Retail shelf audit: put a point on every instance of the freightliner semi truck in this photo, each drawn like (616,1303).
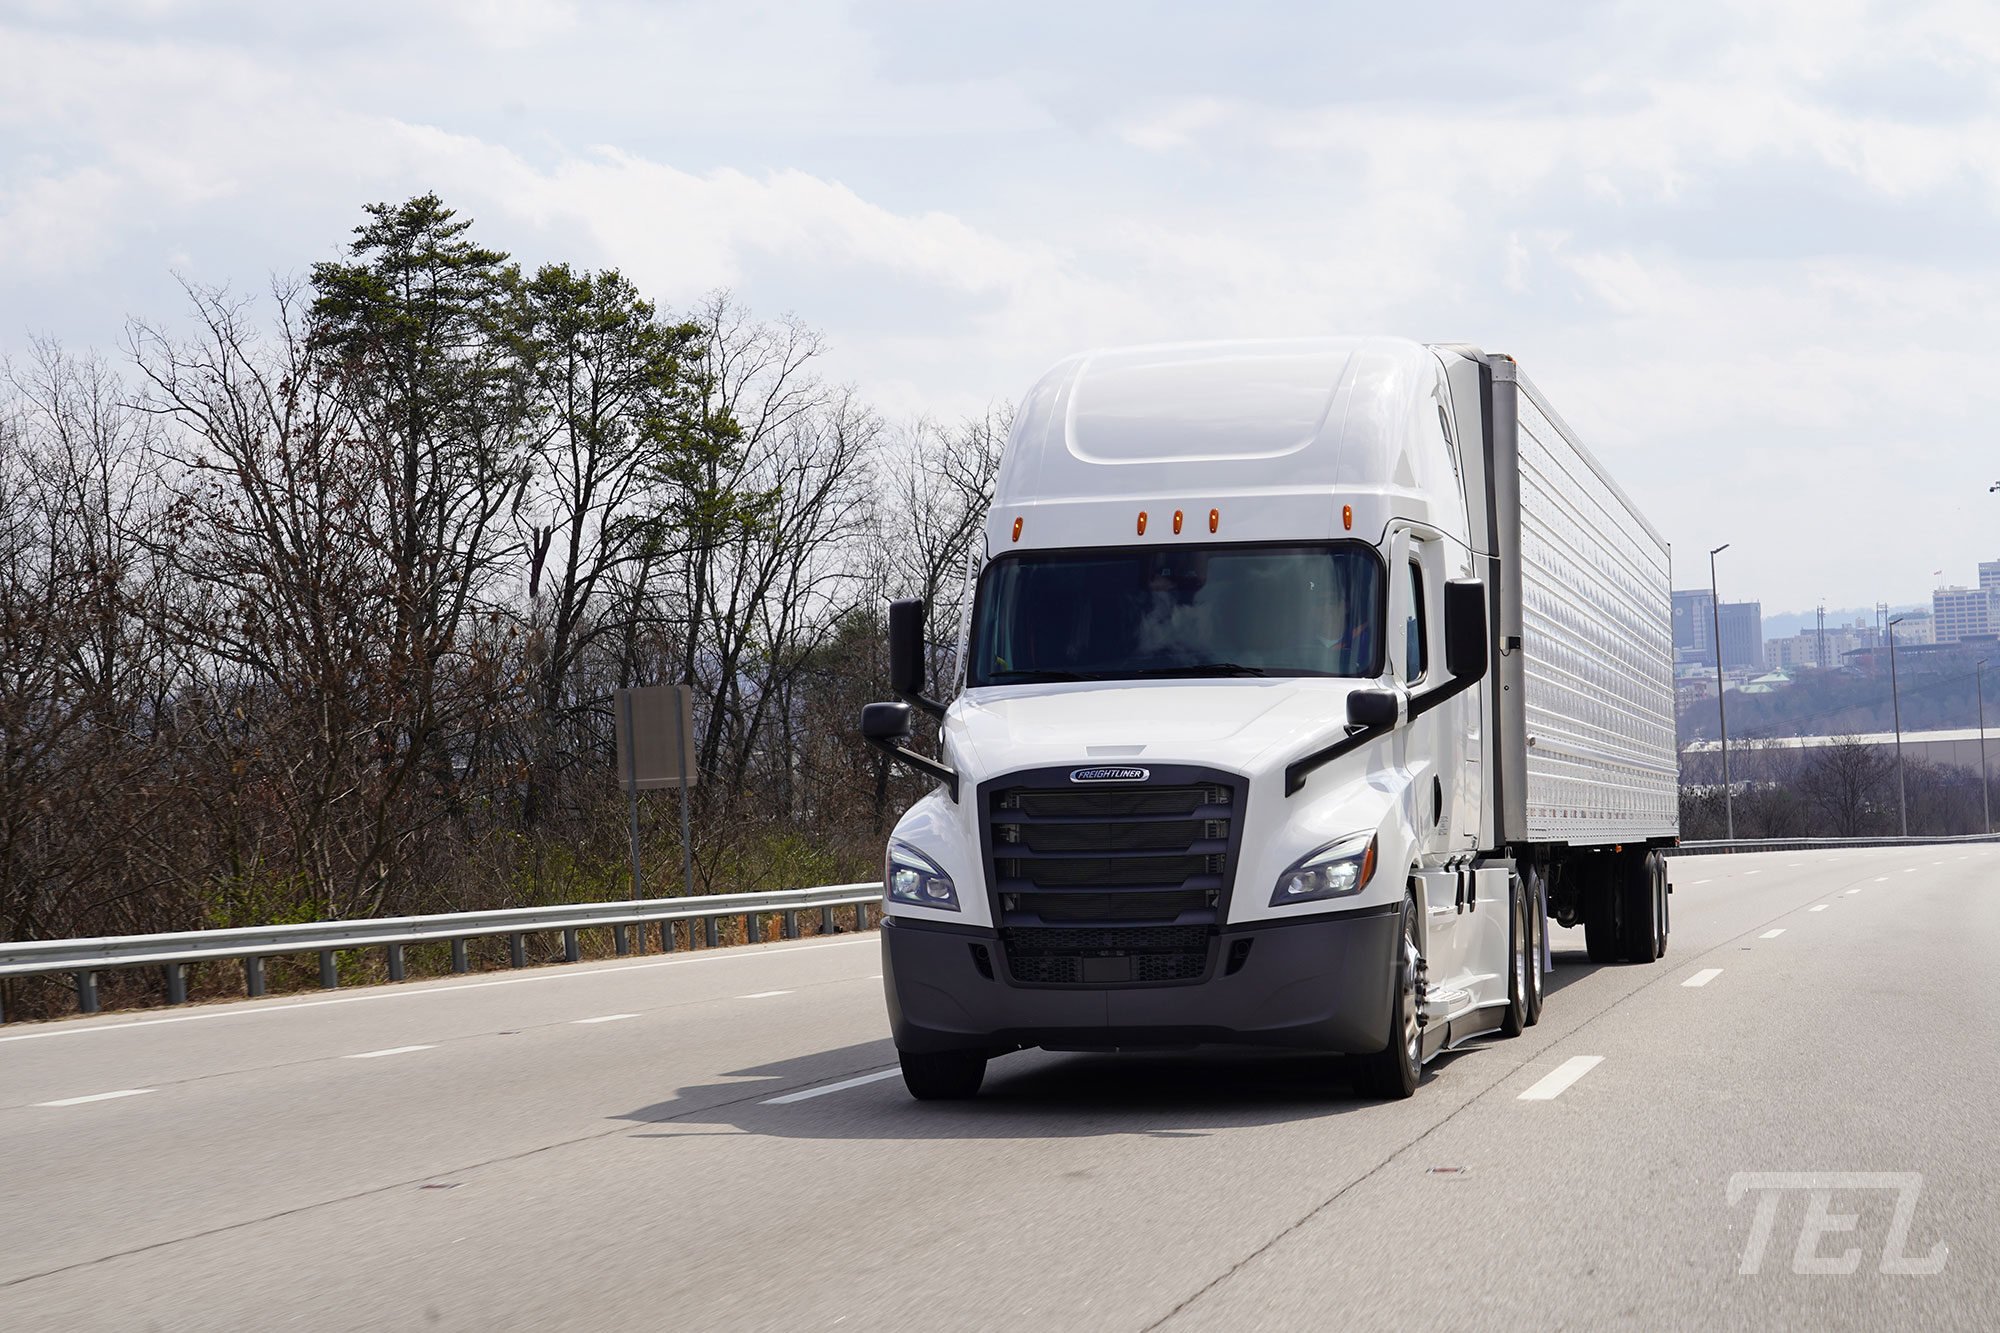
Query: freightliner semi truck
(1301,684)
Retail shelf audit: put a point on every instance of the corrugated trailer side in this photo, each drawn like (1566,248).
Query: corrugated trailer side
(1587,698)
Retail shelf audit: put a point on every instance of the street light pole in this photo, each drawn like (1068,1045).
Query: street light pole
(1721,707)
(1985,795)
(1896,706)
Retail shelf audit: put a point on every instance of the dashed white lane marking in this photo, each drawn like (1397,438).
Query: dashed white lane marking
(1703,977)
(1817,907)
(1793,865)
(1772,934)
(97,1097)
(603,1018)
(1879,879)
(876,977)
(1852,892)
(841,1086)
(1910,870)
(1704,881)
(387,1050)
(763,994)
(1754,872)
(1552,1085)
(411,991)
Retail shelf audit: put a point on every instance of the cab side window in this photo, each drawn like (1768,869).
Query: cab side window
(1416,652)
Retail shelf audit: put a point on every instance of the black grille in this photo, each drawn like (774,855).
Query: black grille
(1099,803)
(1056,956)
(1110,906)
(1093,872)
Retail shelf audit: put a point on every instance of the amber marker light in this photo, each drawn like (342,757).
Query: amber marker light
(1347,517)
(1214,519)
(1177,523)
(1017,528)
(1142,522)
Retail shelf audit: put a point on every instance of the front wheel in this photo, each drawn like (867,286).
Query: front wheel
(1392,1072)
(942,1076)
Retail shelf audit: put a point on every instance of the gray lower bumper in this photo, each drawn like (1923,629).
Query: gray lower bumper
(1318,984)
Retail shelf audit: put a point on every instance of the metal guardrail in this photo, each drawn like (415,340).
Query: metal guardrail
(1726,846)
(253,944)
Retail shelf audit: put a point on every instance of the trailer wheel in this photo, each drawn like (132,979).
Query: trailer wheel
(1392,1072)
(1663,902)
(1538,933)
(942,1076)
(1515,1021)
(1639,927)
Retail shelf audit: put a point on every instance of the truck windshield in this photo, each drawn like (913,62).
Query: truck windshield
(1186,611)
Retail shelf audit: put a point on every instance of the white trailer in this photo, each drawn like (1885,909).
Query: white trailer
(1302,682)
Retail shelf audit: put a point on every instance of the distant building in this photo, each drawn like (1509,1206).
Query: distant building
(1693,624)
(1800,650)
(1743,635)
(1989,575)
(1958,612)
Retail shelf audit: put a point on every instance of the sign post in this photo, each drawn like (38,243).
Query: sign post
(655,749)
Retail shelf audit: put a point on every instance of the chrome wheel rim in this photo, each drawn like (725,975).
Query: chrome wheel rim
(1412,1034)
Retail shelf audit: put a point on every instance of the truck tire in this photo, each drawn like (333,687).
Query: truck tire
(1638,895)
(1391,1073)
(942,1076)
(1661,896)
(1538,932)
(1515,1021)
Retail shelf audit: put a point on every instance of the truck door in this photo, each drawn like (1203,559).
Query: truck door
(1416,608)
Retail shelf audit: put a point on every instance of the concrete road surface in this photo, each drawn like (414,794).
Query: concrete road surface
(1791,1121)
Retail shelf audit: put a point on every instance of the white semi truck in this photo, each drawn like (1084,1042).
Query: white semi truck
(1302,683)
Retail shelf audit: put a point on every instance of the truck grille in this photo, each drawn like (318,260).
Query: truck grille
(1098,885)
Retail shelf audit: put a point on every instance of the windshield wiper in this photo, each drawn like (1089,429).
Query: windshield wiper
(1203,669)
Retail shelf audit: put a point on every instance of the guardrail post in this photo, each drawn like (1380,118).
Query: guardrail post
(571,953)
(753,928)
(459,962)
(667,936)
(620,941)
(86,992)
(826,920)
(792,924)
(517,949)
(329,971)
(861,916)
(395,962)
(711,932)
(177,987)
(253,976)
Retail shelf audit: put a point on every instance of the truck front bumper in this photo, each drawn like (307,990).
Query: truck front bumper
(1321,983)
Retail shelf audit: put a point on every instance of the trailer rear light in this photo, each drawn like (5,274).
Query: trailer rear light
(1177,523)
(1142,522)
(1214,519)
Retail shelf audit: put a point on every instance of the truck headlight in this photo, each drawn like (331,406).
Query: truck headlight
(908,876)
(1334,871)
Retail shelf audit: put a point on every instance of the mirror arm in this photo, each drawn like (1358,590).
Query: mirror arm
(1429,699)
(929,767)
(924,703)
(1299,769)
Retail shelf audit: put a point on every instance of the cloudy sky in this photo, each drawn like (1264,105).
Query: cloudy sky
(1749,250)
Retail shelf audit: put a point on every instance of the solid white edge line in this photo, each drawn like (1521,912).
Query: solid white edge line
(97,1097)
(240,1009)
(1703,977)
(388,1050)
(763,994)
(1552,1085)
(841,1086)
(603,1018)
(1772,934)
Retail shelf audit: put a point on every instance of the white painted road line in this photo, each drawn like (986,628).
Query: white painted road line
(603,1018)
(1793,865)
(1817,907)
(1754,872)
(402,992)
(391,1050)
(1704,881)
(98,1097)
(841,1086)
(763,994)
(1703,977)
(1772,934)
(1879,879)
(1852,892)
(1569,1071)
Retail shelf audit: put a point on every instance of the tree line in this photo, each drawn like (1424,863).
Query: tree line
(1842,789)
(314,605)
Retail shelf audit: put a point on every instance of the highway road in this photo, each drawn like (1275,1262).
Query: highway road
(717,1141)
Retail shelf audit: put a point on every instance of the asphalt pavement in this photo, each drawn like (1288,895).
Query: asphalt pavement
(1789,1121)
